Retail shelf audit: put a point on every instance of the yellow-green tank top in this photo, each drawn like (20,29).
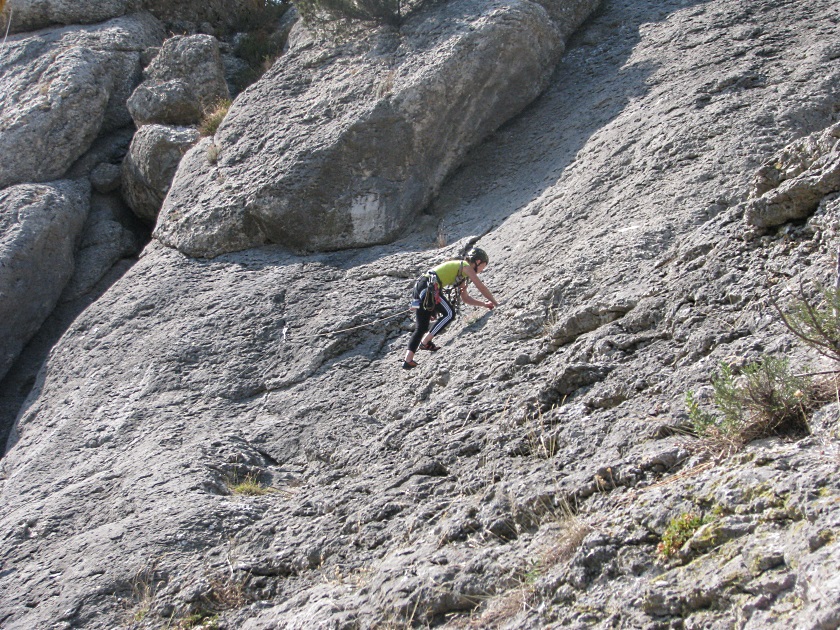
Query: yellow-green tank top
(447,272)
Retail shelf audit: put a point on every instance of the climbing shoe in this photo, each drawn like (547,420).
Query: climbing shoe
(407,365)
(431,347)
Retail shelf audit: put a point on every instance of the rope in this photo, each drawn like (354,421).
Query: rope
(344,330)
(9,25)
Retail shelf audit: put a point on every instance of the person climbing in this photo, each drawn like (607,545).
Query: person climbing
(429,299)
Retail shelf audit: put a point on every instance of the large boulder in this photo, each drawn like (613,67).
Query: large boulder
(185,79)
(29,15)
(61,88)
(39,228)
(316,157)
(150,165)
(164,102)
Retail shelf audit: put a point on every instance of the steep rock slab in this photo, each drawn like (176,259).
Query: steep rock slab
(158,385)
(318,157)
(60,88)
(150,164)
(39,226)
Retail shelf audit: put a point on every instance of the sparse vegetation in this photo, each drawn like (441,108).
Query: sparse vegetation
(570,532)
(378,11)
(766,399)
(817,326)
(249,486)
(198,621)
(542,438)
(262,41)
(573,529)
(679,530)
(213,117)
(144,587)
(226,593)
(262,13)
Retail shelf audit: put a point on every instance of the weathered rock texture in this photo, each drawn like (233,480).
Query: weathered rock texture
(112,233)
(185,79)
(342,146)
(39,228)
(30,15)
(524,475)
(150,165)
(62,88)
(792,184)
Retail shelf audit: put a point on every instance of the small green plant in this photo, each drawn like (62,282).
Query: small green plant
(677,533)
(261,40)
(766,399)
(249,486)
(213,118)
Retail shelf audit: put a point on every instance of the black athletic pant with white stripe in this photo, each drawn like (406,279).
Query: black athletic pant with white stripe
(445,315)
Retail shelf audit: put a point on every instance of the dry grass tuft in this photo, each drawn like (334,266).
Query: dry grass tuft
(213,117)
(524,597)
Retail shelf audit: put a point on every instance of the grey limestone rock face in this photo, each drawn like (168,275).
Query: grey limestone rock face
(791,184)
(30,15)
(39,229)
(164,102)
(185,79)
(105,177)
(111,233)
(352,165)
(151,162)
(61,88)
(525,474)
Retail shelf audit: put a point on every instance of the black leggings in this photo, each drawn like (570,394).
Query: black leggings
(445,316)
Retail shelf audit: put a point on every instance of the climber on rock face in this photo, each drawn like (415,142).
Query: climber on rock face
(429,299)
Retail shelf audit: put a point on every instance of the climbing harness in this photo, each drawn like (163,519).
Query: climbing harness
(428,289)
(426,294)
(453,292)
(342,330)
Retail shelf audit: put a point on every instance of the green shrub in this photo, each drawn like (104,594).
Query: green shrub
(262,14)
(258,49)
(261,42)
(767,399)
(677,533)
(817,326)
(379,11)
